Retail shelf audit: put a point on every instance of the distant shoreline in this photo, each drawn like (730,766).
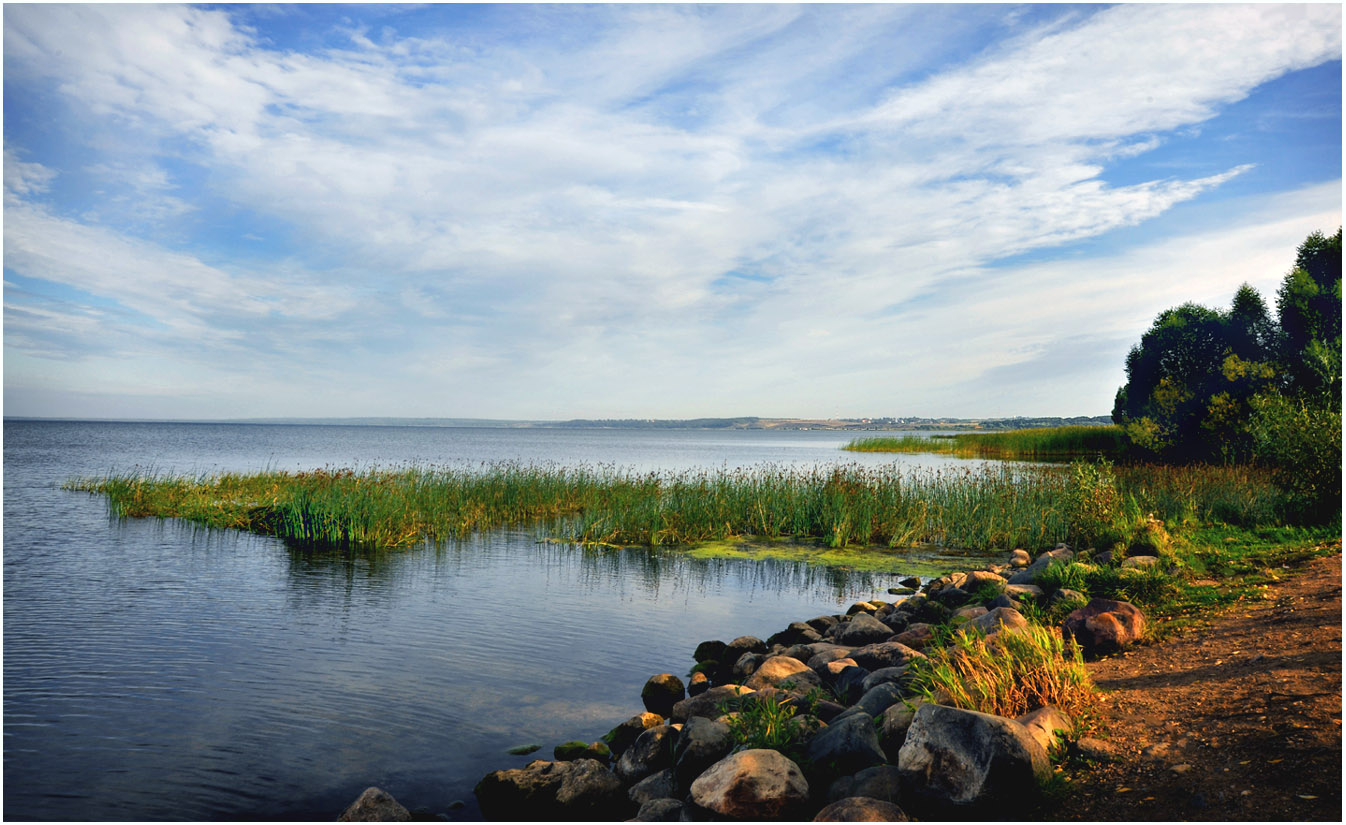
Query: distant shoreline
(742,423)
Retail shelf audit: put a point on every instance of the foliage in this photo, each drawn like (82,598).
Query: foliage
(1040,443)
(1308,307)
(1095,508)
(1009,674)
(766,722)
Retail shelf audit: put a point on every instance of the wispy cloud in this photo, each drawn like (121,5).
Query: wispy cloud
(556,205)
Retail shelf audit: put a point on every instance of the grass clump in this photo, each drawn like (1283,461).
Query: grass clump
(1008,674)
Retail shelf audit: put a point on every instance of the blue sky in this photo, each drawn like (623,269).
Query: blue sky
(641,210)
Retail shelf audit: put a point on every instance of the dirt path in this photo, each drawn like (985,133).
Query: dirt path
(1237,721)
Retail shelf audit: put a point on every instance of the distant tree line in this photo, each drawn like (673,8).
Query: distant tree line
(1238,385)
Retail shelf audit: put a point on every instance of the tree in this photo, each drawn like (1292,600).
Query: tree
(1308,306)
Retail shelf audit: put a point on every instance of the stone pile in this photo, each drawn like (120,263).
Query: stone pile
(866,746)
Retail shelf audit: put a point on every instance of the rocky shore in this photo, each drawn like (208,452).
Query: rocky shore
(821,721)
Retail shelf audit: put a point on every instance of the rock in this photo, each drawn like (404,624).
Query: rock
(659,785)
(709,703)
(879,698)
(711,651)
(861,607)
(861,809)
(959,759)
(848,745)
(1105,558)
(879,782)
(796,633)
(822,623)
(896,675)
(1019,558)
(1029,574)
(849,684)
(621,737)
(375,805)
(896,621)
(523,750)
(910,581)
(1004,601)
(701,743)
(894,723)
(1139,562)
(830,654)
(964,613)
(582,789)
(1065,594)
(661,693)
(1023,591)
(1002,618)
(827,711)
(953,597)
(660,810)
(753,784)
(650,753)
(779,670)
(916,636)
(570,751)
(747,665)
(1046,724)
(1104,625)
(980,579)
(885,654)
(863,629)
(1097,750)
(698,684)
(833,669)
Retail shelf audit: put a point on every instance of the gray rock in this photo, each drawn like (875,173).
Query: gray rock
(879,782)
(822,623)
(1136,562)
(894,723)
(582,789)
(753,784)
(978,579)
(375,805)
(916,636)
(896,675)
(661,693)
(1004,601)
(960,759)
(849,684)
(861,809)
(1023,591)
(650,753)
(701,743)
(846,746)
(829,654)
(621,737)
(1046,725)
(879,698)
(863,629)
(659,785)
(747,665)
(796,633)
(1065,594)
(780,670)
(1002,618)
(660,810)
(885,654)
(953,597)
(708,704)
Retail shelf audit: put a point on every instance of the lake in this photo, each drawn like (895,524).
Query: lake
(154,670)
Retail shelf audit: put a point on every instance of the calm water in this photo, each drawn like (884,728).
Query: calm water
(153,670)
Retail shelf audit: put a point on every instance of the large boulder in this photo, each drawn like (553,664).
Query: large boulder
(899,676)
(879,698)
(885,654)
(1105,625)
(710,703)
(955,759)
(661,693)
(710,651)
(650,753)
(983,579)
(830,653)
(849,684)
(797,633)
(659,785)
(861,809)
(848,745)
(582,790)
(1002,618)
(780,670)
(753,784)
(863,629)
(894,723)
(916,636)
(701,743)
(375,805)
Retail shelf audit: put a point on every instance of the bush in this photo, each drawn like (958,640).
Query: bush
(1302,445)
(1094,508)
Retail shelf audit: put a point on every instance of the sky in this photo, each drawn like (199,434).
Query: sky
(641,211)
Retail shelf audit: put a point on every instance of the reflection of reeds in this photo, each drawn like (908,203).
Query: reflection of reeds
(1039,444)
(992,506)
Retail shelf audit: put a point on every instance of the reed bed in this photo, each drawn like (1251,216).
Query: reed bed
(1041,444)
(989,506)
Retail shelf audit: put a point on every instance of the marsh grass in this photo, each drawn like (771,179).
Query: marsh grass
(1041,444)
(1008,674)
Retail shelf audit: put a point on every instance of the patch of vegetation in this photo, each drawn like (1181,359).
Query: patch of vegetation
(768,722)
(1038,444)
(1008,674)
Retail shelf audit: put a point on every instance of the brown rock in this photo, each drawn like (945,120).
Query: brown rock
(753,784)
(661,693)
(375,805)
(1104,625)
(861,809)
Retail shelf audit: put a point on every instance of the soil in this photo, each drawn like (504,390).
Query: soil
(1237,720)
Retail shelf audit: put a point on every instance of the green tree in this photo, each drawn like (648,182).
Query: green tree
(1308,306)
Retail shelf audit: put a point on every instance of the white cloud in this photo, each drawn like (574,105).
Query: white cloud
(643,197)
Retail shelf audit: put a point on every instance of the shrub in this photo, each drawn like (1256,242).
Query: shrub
(1302,444)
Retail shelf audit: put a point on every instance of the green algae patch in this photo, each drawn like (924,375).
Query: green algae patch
(922,561)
